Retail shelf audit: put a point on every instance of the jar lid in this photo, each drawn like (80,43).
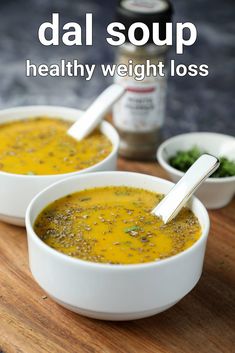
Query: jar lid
(147,12)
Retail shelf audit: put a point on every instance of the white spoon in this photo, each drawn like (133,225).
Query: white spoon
(95,113)
(178,196)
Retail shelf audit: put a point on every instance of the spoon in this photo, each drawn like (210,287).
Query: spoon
(172,203)
(95,113)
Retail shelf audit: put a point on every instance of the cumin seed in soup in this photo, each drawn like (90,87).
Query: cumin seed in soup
(41,146)
(114,225)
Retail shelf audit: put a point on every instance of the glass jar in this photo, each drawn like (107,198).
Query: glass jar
(139,115)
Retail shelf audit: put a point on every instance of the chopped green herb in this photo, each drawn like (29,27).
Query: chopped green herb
(131,229)
(226,169)
(183,160)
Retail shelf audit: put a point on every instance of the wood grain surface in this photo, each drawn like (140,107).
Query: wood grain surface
(203,322)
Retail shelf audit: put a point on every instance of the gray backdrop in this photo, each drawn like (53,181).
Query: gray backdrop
(194,104)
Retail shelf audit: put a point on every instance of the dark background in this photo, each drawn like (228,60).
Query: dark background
(194,104)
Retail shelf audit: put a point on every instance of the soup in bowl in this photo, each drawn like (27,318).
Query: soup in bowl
(95,248)
(36,151)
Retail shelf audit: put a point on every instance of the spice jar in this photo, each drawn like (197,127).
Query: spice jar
(139,114)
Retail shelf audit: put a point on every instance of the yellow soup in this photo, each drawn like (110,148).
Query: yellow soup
(114,225)
(41,146)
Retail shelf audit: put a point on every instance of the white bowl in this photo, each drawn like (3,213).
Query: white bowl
(113,292)
(214,192)
(16,190)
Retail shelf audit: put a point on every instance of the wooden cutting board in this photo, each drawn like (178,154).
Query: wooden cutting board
(204,321)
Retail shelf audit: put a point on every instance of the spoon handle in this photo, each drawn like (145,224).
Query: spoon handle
(95,113)
(172,203)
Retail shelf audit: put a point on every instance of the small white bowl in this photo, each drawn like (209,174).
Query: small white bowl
(113,292)
(214,192)
(17,190)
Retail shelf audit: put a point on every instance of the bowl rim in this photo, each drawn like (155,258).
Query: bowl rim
(165,165)
(104,124)
(76,261)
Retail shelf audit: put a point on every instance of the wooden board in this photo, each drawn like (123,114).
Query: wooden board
(203,321)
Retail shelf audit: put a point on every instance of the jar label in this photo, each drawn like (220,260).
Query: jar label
(142,107)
